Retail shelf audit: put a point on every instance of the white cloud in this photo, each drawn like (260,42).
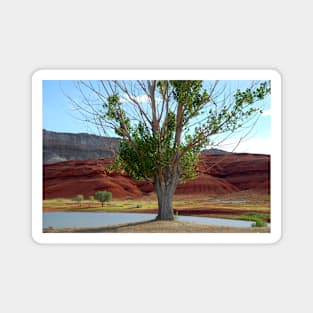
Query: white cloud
(259,145)
(140,99)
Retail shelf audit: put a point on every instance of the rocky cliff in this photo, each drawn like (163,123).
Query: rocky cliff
(59,147)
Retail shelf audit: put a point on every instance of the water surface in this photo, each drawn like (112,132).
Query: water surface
(92,219)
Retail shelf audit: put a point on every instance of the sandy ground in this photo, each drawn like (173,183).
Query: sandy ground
(161,227)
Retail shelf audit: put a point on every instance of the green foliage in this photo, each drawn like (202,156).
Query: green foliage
(259,218)
(79,198)
(103,196)
(151,148)
(259,223)
(113,111)
(91,198)
(153,153)
(152,157)
(231,118)
(188,165)
(191,94)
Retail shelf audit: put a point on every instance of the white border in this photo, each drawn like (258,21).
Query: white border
(156,238)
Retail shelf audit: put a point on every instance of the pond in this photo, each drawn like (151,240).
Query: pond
(91,219)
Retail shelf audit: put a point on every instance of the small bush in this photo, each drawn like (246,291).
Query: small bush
(259,219)
(103,196)
(263,216)
(79,198)
(91,198)
(259,223)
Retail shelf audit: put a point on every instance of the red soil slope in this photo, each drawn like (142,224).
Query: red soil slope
(218,174)
(243,170)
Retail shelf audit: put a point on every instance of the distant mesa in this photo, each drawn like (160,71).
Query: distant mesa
(215,151)
(60,147)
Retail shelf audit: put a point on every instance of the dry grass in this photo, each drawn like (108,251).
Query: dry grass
(233,202)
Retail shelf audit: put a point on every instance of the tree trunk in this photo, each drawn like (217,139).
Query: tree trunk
(165,194)
(165,206)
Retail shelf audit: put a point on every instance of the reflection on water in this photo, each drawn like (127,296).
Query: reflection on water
(216,221)
(74,219)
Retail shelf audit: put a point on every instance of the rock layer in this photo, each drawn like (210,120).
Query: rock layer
(217,174)
(59,147)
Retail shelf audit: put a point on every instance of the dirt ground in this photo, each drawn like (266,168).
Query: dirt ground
(161,227)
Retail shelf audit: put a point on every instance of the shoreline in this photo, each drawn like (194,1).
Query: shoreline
(155,226)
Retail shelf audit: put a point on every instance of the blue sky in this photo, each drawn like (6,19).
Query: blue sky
(60,116)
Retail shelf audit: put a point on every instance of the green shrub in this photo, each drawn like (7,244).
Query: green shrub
(79,198)
(258,218)
(259,223)
(263,216)
(103,196)
(91,198)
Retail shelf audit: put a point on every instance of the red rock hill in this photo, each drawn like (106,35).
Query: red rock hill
(218,174)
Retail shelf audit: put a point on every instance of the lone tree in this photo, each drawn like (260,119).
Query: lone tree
(163,125)
(103,196)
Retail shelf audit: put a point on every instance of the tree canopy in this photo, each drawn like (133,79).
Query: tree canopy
(164,124)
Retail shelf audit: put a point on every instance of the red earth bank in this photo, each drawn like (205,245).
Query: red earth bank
(217,174)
